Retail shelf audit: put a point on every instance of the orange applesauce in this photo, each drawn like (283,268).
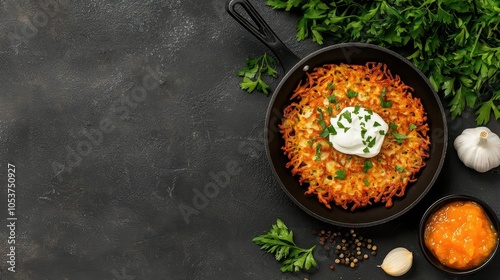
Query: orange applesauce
(460,235)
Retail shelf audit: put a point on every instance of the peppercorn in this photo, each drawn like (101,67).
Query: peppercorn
(348,246)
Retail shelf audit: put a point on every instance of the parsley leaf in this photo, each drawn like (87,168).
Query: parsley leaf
(321,119)
(383,102)
(399,137)
(351,93)
(318,152)
(253,72)
(356,109)
(367,165)
(484,111)
(324,133)
(279,241)
(332,99)
(340,174)
(399,169)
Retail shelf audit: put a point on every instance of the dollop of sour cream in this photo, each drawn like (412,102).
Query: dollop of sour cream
(358,131)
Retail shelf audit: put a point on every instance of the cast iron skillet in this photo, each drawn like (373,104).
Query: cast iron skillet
(352,53)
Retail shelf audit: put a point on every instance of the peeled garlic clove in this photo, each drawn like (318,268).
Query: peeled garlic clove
(397,262)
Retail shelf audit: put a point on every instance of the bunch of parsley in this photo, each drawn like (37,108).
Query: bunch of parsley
(456,43)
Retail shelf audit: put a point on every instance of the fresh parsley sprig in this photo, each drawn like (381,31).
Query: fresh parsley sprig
(279,241)
(253,73)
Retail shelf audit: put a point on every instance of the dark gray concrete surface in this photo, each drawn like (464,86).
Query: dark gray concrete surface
(118,114)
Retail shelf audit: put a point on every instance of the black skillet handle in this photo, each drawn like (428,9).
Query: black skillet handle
(262,31)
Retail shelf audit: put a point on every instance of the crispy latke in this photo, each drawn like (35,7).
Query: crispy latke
(351,181)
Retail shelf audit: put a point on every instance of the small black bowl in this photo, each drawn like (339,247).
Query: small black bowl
(436,206)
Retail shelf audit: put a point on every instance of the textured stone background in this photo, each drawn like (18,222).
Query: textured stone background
(117,114)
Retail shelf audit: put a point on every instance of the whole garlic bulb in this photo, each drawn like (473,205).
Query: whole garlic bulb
(478,148)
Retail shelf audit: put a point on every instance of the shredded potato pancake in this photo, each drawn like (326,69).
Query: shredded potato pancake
(352,181)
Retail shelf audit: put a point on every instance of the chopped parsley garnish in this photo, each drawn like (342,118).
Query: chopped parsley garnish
(383,102)
(399,137)
(330,86)
(413,126)
(363,132)
(340,125)
(375,124)
(321,121)
(367,165)
(332,99)
(340,174)
(318,152)
(351,93)
(381,132)
(324,133)
(366,182)
(366,150)
(347,116)
(330,110)
(393,126)
(356,109)
(327,131)
(332,130)
(371,143)
(399,169)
